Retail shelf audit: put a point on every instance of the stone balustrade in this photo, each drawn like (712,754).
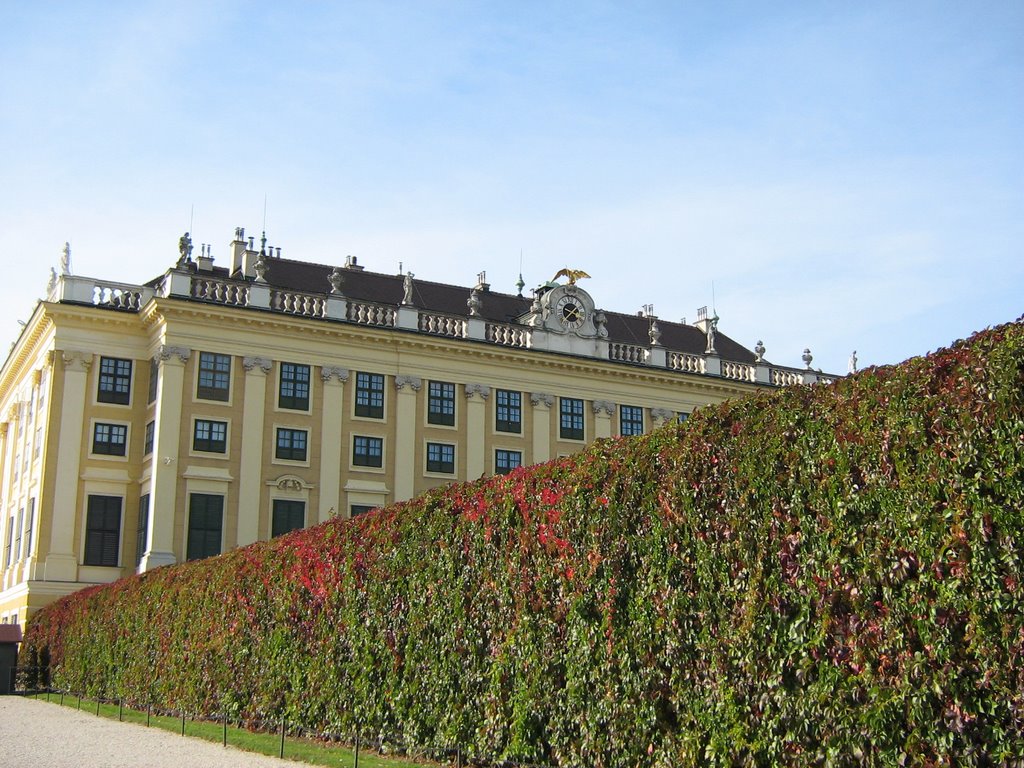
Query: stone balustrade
(228,292)
(100,293)
(738,371)
(508,335)
(365,313)
(302,304)
(681,361)
(442,325)
(627,353)
(242,293)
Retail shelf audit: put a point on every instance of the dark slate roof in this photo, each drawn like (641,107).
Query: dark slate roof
(362,285)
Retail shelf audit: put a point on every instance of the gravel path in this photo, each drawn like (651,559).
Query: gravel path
(35,734)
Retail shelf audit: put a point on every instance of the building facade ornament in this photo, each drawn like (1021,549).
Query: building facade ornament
(542,399)
(654,332)
(327,372)
(477,389)
(712,329)
(603,406)
(413,382)
(759,351)
(853,362)
(474,303)
(807,357)
(261,268)
(661,415)
(251,364)
(601,323)
(184,249)
(336,279)
(407,289)
(167,352)
(75,360)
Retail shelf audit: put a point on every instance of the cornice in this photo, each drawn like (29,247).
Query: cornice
(26,346)
(169,308)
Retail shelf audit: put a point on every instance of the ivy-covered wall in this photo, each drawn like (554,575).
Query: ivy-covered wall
(812,575)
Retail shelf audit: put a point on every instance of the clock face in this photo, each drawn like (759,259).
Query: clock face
(570,312)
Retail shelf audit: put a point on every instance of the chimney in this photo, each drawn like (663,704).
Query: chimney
(205,261)
(237,251)
(352,263)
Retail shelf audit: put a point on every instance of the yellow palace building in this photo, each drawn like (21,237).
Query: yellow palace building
(144,425)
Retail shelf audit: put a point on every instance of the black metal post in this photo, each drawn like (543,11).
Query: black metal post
(120,710)
(182,722)
(149,713)
(458,758)
(79,701)
(282,737)
(225,728)
(356,763)
(97,706)
(62,698)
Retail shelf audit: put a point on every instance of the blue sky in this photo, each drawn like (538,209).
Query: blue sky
(845,175)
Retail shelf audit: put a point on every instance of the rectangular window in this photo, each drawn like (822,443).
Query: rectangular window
(506,461)
(508,414)
(142,531)
(631,420)
(17,534)
(291,444)
(441,403)
(370,395)
(355,510)
(103,531)
(293,391)
(214,376)
(571,418)
(441,458)
(154,373)
(367,451)
(109,439)
(150,437)
(210,436)
(288,516)
(115,381)
(28,528)
(205,522)
(9,542)
(682,416)
(44,380)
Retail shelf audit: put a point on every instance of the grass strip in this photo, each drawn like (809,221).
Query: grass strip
(297,749)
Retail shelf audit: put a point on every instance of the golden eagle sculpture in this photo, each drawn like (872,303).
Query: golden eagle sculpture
(572,274)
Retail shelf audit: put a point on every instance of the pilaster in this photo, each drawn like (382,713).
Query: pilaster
(61,559)
(604,410)
(541,402)
(660,416)
(407,389)
(164,496)
(251,458)
(476,419)
(334,379)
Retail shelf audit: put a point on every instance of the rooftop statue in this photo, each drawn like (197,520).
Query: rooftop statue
(184,249)
(572,274)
